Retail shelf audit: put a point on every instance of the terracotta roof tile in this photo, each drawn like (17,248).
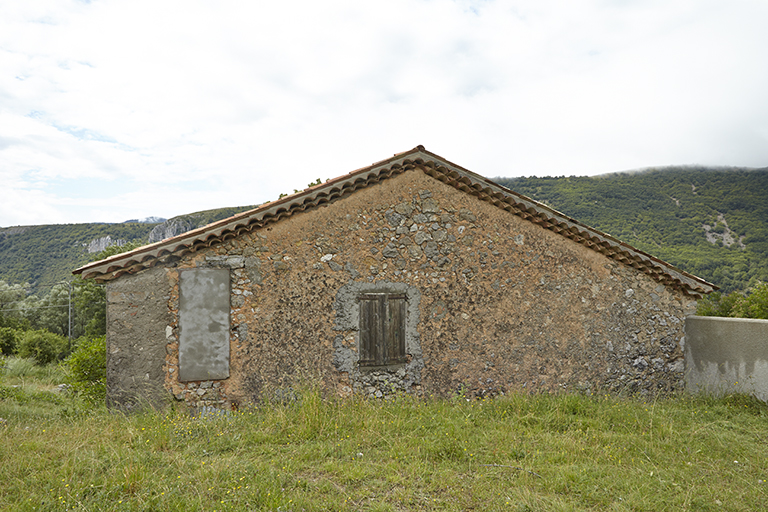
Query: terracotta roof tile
(417,158)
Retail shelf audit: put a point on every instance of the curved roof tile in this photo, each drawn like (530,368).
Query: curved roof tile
(417,158)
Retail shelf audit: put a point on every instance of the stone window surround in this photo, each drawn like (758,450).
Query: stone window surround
(347,323)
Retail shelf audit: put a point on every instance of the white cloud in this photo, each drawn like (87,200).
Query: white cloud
(132,109)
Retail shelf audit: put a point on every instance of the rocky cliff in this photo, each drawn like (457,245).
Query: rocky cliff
(171,228)
(99,244)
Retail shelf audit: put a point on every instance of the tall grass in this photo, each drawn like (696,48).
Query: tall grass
(519,452)
(16,370)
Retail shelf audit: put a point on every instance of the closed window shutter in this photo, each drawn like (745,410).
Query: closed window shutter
(382,329)
(395,329)
(370,328)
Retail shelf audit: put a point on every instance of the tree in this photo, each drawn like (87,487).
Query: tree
(53,310)
(717,304)
(11,304)
(90,308)
(753,304)
(9,340)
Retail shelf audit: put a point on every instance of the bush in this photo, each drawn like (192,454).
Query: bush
(9,340)
(754,305)
(87,368)
(717,304)
(42,346)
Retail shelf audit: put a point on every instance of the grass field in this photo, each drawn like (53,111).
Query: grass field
(515,453)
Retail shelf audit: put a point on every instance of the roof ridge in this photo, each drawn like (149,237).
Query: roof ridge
(432,165)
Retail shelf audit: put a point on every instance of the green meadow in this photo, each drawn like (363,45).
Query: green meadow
(566,452)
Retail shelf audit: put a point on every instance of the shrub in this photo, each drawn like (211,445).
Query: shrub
(754,305)
(717,304)
(87,368)
(9,340)
(42,346)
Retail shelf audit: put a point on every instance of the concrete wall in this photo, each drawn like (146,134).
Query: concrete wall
(137,326)
(495,304)
(726,355)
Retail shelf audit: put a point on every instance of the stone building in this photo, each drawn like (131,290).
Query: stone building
(414,275)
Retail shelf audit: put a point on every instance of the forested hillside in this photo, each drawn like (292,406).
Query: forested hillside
(710,222)
(45,255)
(42,256)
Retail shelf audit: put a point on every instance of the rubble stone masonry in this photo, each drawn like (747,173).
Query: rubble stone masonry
(495,304)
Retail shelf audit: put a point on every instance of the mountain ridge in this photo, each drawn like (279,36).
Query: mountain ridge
(45,254)
(709,221)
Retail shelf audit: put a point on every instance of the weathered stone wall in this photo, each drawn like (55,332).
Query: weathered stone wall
(502,303)
(137,323)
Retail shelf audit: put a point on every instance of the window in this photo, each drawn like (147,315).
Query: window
(382,329)
(376,312)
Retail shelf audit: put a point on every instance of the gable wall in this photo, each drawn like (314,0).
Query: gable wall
(496,303)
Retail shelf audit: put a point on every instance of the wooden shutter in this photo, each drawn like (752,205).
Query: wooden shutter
(395,329)
(382,329)
(370,328)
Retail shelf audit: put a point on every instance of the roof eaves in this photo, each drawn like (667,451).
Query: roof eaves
(146,256)
(433,165)
(560,223)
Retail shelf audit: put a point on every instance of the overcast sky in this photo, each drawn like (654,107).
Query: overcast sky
(114,110)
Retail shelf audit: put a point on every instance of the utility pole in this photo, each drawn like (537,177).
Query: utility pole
(69,320)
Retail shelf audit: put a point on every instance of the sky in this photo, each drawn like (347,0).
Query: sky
(113,110)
